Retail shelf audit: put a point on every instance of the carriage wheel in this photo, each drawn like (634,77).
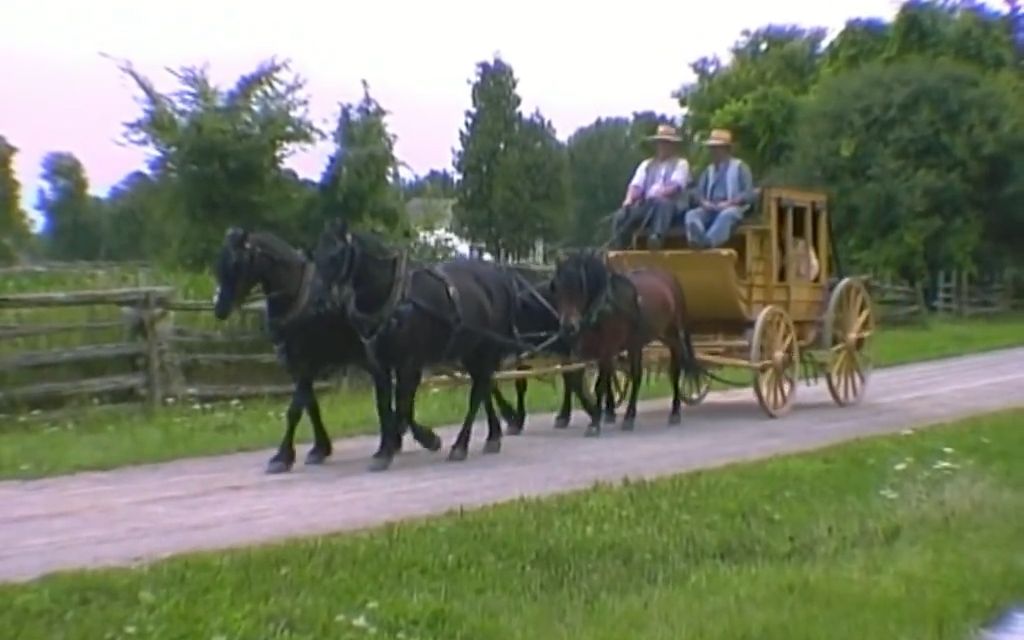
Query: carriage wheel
(694,387)
(849,324)
(775,354)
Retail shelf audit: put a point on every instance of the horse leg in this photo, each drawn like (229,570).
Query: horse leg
(609,397)
(569,383)
(508,414)
(322,448)
(593,410)
(285,456)
(391,422)
(493,444)
(425,436)
(636,373)
(520,404)
(478,392)
(674,369)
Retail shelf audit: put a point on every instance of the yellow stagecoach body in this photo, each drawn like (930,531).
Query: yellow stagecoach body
(764,300)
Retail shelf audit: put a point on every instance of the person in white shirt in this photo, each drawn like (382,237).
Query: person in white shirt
(655,193)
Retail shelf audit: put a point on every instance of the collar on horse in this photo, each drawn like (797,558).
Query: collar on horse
(299,301)
(376,320)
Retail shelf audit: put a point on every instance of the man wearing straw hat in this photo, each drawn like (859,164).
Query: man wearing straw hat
(726,191)
(655,192)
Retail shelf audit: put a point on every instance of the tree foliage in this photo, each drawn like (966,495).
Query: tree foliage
(361,178)
(73,229)
(513,171)
(14,229)
(221,150)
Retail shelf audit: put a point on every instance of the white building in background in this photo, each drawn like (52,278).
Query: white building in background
(432,217)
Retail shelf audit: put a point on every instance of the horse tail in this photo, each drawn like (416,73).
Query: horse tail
(688,360)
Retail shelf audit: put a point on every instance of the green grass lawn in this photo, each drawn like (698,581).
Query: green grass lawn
(919,535)
(29,449)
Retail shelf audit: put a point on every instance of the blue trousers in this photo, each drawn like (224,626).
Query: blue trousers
(710,229)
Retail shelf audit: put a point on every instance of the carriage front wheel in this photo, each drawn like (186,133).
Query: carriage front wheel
(849,324)
(694,387)
(775,357)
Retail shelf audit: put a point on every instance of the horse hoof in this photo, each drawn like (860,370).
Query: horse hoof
(628,424)
(278,466)
(609,418)
(433,442)
(316,456)
(561,423)
(492,446)
(380,462)
(592,431)
(458,454)
(675,419)
(514,430)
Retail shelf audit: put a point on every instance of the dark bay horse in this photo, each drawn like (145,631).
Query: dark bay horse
(310,341)
(410,318)
(607,313)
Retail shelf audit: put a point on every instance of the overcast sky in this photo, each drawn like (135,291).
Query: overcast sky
(573,61)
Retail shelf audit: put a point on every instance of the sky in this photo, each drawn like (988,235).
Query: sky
(575,61)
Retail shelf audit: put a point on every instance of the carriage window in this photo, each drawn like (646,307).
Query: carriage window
(797,226)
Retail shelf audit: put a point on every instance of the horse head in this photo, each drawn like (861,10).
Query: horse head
(580,278)
(234,271)
(336,258)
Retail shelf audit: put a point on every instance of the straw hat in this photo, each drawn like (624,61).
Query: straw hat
(719,138)
(665,133)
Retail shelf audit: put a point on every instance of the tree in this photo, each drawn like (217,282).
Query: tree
(359,181)
(756,93)
(923,158)
(436,184)
(132,217)
(72,230)
(14,229)
(531,195)
(490,129)
(220,152)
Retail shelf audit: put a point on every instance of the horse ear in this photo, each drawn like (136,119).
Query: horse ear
(237,237)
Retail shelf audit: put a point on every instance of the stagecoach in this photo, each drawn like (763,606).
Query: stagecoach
(769,302)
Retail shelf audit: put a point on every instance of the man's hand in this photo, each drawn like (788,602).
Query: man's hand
(707,204)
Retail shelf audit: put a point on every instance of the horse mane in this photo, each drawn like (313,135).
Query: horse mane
(274,244)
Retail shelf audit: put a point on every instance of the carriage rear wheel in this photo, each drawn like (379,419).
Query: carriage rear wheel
(775,356)
(849,324)
(694,387)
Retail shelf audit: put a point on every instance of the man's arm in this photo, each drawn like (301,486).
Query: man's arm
(702,190)
(677,181)
(636,185)
(746,195)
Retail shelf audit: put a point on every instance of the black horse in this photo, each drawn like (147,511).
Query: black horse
(311,341)
(412,317)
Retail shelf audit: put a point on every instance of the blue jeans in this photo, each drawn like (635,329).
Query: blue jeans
(709,229)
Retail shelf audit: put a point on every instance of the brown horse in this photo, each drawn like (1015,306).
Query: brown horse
(605,313)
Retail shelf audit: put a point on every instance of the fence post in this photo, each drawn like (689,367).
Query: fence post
(149,322)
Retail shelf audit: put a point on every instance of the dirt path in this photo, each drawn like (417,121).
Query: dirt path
(142,513)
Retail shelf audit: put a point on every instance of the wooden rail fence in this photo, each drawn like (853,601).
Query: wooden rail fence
(156,347)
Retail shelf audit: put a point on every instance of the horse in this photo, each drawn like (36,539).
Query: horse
(606,313)
(538,324)
(311,341)
(460,311)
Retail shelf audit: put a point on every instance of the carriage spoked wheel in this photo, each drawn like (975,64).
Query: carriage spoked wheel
(849,325)
(775,356)
(694,387)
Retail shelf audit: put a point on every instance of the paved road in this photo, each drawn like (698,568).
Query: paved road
(143,513)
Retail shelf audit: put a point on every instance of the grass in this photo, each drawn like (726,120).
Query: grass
(101,441)
(910,536)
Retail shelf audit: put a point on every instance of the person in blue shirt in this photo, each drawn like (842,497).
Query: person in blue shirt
(725,191)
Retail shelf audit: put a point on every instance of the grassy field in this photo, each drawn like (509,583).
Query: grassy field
(101,441)
(919,535)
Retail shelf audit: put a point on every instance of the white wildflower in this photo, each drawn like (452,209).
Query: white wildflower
(888,493)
